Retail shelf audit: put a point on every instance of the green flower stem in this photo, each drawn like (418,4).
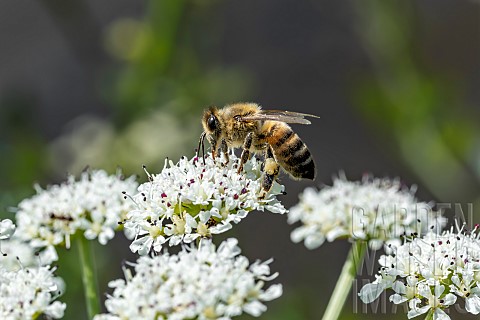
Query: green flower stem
(90,284)
(430,315)
(344,282)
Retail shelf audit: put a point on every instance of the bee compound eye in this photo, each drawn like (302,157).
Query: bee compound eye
(211,122)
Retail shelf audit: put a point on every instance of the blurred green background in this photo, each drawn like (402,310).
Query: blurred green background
(123,83)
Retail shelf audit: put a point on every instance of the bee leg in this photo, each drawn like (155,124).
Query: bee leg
(214,150)
(246,151)
(270,171)
(224,149)
(201,144)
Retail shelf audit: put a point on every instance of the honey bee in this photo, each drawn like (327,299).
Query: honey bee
(246,125)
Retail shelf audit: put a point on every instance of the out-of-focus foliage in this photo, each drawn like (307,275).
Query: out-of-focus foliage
(146,141)
(23,156)
(159,92)
(426,121)
(166,61)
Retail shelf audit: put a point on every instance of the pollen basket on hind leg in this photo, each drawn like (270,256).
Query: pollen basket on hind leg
(271,167)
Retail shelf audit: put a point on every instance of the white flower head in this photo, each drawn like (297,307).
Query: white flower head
(197,283)
(7,228)
(431,273)
(375,210)
(193,199)
(93,205)
(28,293)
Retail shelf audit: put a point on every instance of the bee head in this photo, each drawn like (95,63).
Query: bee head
(210,122)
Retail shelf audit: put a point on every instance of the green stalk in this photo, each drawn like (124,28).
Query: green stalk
(89,277)
(344,282)
(430,315)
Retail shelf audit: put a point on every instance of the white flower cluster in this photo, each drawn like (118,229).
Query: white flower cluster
(201,284)
(431,273)
(375,210)
(28,293)
(93,205)
(193,199)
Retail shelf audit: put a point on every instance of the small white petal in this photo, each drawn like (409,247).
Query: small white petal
(399,287)
(205,215)
(141,245)
(7,228)
(414,312)
(254,308)
(438,290)
(314,241)
(370,292)
(190,237)
(299,234)
(449,299)
(472,304)
(397,299)
(56,310)
(439,314)
(220,228)
(190,221)
(273,292)
(48,256)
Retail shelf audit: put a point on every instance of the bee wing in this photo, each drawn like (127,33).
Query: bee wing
(280,115)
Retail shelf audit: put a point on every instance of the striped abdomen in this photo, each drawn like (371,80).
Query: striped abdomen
(289,150)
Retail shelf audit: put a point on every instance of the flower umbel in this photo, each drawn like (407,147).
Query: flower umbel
(204,283)
(431,273)
(375,210)
(28,293)
(192,199)
(93,205)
